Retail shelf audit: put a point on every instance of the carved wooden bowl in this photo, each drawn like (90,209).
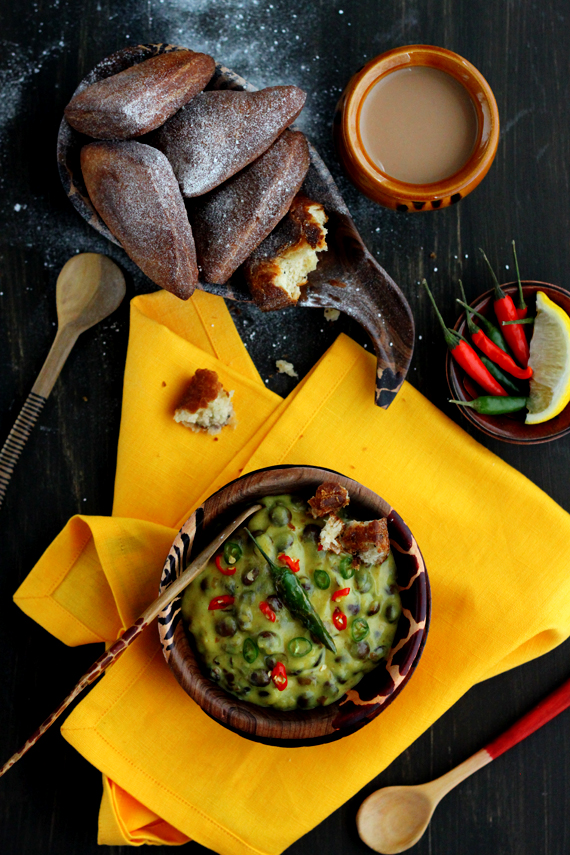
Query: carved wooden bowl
(510,428)
(347,278)
(375,691)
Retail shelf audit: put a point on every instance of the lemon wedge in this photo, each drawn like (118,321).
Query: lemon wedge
(550,361)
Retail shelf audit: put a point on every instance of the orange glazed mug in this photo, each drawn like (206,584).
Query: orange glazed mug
(366,171)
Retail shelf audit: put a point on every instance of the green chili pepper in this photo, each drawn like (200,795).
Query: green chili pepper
(299,646)
(494,405)
(492,331)
(345,567)
(296,599)
(501,376)
(322,579)
(359,629)
(232,552)
(250,651)
(518,321)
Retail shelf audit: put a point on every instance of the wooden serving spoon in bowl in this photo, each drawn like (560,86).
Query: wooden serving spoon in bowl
(110,656)
(89,288)
(393,819)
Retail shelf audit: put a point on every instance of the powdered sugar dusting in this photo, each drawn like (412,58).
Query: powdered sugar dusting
(218,133)
(232,220)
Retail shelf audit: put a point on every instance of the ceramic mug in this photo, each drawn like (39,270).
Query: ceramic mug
(389,191)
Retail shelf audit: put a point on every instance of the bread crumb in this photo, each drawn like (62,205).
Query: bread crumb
(329,498)
(332,314)
(205,404)
(284,367)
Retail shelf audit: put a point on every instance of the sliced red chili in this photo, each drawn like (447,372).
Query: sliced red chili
(292,563)
(227,571)
(342,592)
(291,526)
(320,547)
(266,610)
(279,676)
(339,619)
(221,602)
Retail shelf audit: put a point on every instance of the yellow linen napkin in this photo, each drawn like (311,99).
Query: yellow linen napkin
(486,533)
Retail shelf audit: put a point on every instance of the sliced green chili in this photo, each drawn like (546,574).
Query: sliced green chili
(299,646)
(322,579)
(345,567)
(359,629)
(250,651)
(232,552)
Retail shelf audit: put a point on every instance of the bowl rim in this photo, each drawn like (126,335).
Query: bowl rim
(172,631)
(535,434)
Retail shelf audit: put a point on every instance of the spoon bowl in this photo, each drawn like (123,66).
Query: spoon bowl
(393,819)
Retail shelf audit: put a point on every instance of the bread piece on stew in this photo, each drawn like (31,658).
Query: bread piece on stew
(140,98)
(205,404)
(232,220)
(329,498)
(219,133)
(277,269)
(367,540)
(134,191)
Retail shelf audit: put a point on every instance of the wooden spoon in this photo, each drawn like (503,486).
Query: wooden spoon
(110,656)
(89,288)
(393,819)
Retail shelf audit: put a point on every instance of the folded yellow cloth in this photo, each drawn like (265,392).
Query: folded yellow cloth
(496,549)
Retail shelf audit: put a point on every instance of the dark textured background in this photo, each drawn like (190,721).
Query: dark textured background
(49,802)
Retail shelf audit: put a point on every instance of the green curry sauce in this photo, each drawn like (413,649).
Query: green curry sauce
(241,646)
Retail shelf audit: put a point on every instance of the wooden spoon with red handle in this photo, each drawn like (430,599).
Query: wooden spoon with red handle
(89,288)
(110,656)
(393,819)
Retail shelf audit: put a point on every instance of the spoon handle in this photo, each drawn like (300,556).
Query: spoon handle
(547,709)
(18,436)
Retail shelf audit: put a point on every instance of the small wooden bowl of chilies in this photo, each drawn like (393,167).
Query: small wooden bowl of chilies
(508,428)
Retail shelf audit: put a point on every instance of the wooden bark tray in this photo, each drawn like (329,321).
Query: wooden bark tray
(378,687)
(347,278)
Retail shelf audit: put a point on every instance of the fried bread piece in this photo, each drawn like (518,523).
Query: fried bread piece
(133,189)
(219,133)
(205,404)
(140,98)
(277,269)
(232,220)
(329,498)
(368,540)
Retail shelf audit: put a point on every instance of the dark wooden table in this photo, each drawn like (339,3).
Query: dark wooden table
(49,802)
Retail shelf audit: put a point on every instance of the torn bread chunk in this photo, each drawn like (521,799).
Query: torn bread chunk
(330,534)
(367,540)
(279,267)
(284,367)
(205,404)
(329,498)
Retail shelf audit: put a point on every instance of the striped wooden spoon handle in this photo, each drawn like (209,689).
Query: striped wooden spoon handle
(17,438)
(118,648)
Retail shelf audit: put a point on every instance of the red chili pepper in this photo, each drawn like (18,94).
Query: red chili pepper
(279,676)
(221,602)
(465,356)
(506,310)
(339,619)
(227,571)
(292,563)
(494,352)
(266,609)
(291,526)
(342,592)
(320,547)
